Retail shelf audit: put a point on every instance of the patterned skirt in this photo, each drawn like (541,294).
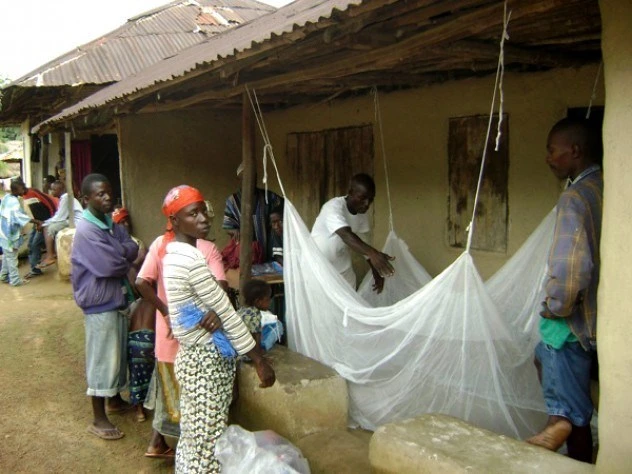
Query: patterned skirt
(140,357)
(206,388)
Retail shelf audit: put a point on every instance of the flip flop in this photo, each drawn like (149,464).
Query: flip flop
(108,434)
(46,263)
(170,453)
(32,274)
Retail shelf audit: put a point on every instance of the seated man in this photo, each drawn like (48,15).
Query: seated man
(336,231)
(58,222)
(42,206)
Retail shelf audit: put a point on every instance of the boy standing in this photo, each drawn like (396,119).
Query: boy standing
(569,315)
(12,220)
(102,254)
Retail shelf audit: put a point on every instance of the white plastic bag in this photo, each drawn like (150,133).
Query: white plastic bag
(261,452)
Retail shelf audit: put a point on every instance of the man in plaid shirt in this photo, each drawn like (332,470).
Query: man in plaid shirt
(569,312)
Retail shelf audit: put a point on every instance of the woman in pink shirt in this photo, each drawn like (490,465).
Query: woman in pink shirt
(151,287)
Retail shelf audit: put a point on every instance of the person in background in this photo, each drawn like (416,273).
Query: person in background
(276,234)
(263,203)
(12,221)
(340,227)
(167,391)
(43,206)
(568,324)
(47,182)
(121,216)
(102,253)
(58,222)
(204,370)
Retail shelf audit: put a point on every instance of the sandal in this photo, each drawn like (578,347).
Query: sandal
(46,263)
(32,274)
(170,453)
(108,434)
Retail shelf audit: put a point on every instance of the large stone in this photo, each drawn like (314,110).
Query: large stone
(443,444)
(307,397)
(63,243)
(336,451)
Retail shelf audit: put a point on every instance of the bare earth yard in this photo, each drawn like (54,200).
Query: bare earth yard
(44,411)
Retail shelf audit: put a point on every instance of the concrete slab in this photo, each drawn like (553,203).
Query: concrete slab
(336,451)
(443,444)
(63,244)
(307,397)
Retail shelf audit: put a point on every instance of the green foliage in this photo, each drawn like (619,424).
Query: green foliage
(9,133)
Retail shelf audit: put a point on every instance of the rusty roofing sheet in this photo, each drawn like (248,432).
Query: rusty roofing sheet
(142,41)
(284,20)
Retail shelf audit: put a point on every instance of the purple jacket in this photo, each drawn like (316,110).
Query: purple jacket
(100,261)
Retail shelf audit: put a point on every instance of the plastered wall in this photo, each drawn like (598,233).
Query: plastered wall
(159,151)
(415,124)
(613,324)
(203,148)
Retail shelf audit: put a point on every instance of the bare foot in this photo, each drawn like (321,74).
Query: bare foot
(116,404)
(554,435)
(140,414)
(157,445)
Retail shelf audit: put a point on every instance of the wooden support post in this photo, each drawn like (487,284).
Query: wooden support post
(69,189)
(248,182)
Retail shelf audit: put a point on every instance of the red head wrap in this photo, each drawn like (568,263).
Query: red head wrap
(177,199)
(119,214)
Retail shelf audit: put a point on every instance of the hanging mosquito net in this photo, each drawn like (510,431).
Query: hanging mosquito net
(453,344)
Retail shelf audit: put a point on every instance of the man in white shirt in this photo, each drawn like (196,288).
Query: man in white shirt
(58,222)
(340,226)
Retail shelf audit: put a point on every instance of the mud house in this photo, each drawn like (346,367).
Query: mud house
(313,65)
(142,41)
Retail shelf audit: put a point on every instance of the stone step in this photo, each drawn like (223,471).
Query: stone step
(443,444)
(337,451)
(307,397)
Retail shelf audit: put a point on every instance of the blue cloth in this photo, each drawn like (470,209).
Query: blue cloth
(12,219)
(36,240)
(102,254)
(106,353)
(140,355)
(271,334)
(566,381)
(9,273)
(190,316)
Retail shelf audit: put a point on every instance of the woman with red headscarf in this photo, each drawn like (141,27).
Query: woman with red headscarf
(198,310)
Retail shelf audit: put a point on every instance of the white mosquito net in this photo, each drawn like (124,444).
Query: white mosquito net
(452,345)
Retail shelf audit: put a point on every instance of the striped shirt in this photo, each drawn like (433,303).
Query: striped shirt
(574,261)
(189,282)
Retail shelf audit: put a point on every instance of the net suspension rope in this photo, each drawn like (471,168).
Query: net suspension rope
(378,119)
(498,88)
(268,151)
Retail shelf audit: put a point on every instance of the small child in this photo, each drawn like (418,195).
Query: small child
(257,298)
(140,355)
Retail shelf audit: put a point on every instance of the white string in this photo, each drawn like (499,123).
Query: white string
(470,227)
(594,91)
(501,57)
(378,119)
(268,151)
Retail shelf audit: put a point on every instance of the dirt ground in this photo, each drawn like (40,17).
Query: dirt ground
(44,411)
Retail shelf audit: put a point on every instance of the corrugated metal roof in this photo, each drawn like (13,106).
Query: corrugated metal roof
(142,41)
(285,20)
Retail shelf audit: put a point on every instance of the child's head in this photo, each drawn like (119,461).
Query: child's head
(257,293)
